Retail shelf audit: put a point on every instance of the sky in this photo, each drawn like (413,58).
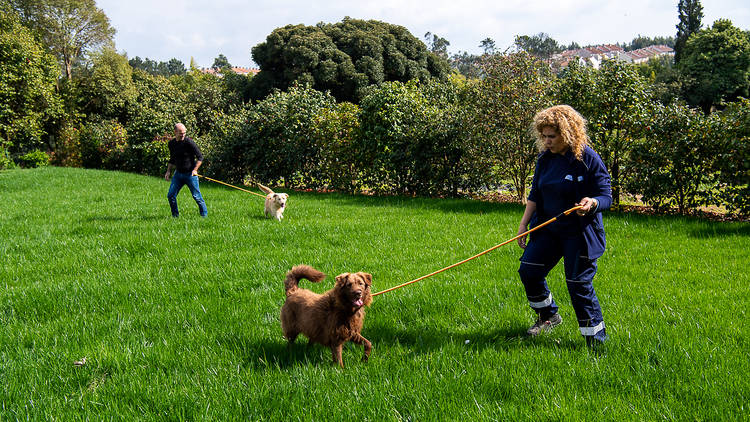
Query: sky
(203,29)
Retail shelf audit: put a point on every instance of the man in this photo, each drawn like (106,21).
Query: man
(185,156)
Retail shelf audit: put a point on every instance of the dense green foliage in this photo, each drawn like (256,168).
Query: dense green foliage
(28,100)
(642,41)
(179,318)
(166,69)
(343,58)
(514,89)
(540,45)
(716,65)
(69,27)
(415,140)
(690,14)
(276,142)
(669,163)
(107,89)
(731,163)
(616,101)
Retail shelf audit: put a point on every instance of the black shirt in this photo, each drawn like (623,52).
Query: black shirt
(184,154)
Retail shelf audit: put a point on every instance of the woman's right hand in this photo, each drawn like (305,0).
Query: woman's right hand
(521,240)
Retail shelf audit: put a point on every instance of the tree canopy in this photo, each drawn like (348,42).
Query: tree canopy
(28,75)
(716,65)
(540,45)
(690,14)
(68,27)
(342,58)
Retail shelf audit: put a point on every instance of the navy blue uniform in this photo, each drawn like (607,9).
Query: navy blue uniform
(560,181)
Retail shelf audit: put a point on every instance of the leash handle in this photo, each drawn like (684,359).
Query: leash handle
(231,186)
(550,221)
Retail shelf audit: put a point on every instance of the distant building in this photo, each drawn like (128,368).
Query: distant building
(645,54)
(238,70)
(593,56)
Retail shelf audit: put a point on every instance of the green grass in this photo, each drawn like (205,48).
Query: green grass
(178,318)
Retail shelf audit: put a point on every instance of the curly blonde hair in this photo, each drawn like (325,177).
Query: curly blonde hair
(567,122)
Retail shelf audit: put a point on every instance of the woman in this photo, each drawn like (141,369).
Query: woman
(568,173)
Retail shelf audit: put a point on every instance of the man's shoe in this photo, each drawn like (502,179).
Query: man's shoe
(544,324)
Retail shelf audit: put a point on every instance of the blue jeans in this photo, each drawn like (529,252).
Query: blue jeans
(180,179)
(541,255)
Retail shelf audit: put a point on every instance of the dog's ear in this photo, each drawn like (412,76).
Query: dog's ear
(367,277)
(341,278)
(285,195)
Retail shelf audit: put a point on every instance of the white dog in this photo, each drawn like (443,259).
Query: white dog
(275,202)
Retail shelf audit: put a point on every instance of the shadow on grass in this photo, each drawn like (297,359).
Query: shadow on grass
(424,340)
(272,354)
(721,230)
(449,205)
(113,218)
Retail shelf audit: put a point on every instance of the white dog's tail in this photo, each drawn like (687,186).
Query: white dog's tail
(299,272)
(265,189)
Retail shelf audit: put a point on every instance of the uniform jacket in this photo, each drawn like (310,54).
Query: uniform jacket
(593,181)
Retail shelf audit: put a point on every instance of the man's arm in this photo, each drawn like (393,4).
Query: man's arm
(170,166)
(195,170)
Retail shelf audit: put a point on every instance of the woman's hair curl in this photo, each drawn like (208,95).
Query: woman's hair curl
(567,122)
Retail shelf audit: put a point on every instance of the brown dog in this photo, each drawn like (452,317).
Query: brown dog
(330,319)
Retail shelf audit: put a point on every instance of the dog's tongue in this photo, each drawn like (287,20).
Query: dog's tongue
(358,302)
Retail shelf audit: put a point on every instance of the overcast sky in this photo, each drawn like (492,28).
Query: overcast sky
(203,29)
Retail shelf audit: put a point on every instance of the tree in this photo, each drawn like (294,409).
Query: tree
(665,79)
(488,45)
(170,68)
(28,75)
(175,67)
(437,45)
(69,27)
(515,87)
(615,100)
(716,65)
(690,13)
(414,139)
(641,42)
(342,58)
(276,142)
(107,89)
(540,45)
(732,156)
(220,62)
(466,64)
(668,165)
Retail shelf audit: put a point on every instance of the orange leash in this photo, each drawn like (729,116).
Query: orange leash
(551,220)
(231,186)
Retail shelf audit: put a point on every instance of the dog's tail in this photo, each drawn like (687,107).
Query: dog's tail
(265,189)
(299,272)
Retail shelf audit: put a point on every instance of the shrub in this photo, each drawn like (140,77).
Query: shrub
(732,163)
(336,127)
(33,159)
(669,166)
(103,145)
(277,141)
(413,140)
(5,161)
(67,148)
(149,157)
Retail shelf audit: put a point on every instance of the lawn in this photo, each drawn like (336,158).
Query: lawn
(179,318)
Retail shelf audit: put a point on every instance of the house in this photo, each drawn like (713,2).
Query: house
(595,55)
(244,71)
(645,54)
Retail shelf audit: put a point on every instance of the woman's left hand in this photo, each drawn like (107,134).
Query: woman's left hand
(587,205)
